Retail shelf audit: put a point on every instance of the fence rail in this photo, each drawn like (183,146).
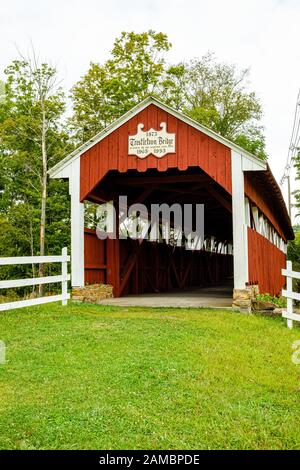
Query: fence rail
(13,283)
(289,314)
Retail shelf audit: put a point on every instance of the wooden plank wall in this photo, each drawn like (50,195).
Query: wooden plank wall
(193,148)
(95,258)
(157,268)
(265,202)
(265,262)
(161,268)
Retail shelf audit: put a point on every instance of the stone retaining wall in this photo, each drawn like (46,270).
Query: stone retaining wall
(244,298)
(92,293)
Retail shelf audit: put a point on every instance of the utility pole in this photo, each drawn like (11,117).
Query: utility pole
(292,153)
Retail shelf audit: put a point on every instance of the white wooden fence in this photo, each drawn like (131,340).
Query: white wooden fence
(289,314)
(63,278)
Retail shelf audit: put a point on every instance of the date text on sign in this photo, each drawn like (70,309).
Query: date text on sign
(152,142)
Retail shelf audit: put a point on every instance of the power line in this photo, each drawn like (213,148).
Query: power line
(294,143)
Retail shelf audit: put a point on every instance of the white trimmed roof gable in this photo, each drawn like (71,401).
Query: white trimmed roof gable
(60,170)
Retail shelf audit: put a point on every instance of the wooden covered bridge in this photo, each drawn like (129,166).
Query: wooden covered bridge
(245,218)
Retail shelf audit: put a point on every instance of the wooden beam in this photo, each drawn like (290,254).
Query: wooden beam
(172,189)
(187,271)
(215,193)
(146,193)
(129,266)
(159,179)
(96,266)
(99,197)
(199,190)
(179,282)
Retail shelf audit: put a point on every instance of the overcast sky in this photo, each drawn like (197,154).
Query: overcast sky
(261,34)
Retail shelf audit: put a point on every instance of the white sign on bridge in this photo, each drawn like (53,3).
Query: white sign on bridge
(157,143)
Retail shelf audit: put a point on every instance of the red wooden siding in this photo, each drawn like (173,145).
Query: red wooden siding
(193,148)
(95,259)
(265,202)
(265,263)
(101,260)
(132,268)
(150,267)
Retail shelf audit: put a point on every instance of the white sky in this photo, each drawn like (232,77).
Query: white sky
(261,34)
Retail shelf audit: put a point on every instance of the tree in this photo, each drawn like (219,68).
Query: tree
(2,90)
(107,91)
(212,93)
(215,95)
(31,136)
(174,86)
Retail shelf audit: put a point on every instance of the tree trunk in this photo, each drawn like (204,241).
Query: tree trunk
(43,199)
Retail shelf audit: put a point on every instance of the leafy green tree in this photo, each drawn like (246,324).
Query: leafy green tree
(107,91)
(212,93)
(2,90)
(215,95)
(174,86)
(32,138)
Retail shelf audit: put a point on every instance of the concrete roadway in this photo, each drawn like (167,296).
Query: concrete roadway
(214,297)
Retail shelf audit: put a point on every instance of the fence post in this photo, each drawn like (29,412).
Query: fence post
(289,288)
(64,272)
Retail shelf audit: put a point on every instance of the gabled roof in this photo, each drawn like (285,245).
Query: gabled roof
(56,171)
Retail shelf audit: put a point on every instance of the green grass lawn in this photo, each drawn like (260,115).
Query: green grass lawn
(91,377)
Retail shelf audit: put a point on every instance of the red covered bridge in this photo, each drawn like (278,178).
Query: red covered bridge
(246,222)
